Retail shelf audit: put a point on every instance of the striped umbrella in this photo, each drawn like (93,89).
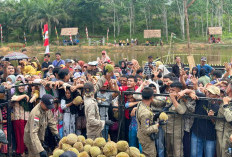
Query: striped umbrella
(15,56)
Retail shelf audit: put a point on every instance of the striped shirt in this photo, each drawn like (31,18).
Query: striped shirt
(147,69)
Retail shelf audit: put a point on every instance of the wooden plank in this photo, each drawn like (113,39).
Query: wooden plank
(152,33)
(191,62)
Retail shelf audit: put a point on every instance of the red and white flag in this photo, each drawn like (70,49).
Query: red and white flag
(70,36)
(87,34)
(46,38)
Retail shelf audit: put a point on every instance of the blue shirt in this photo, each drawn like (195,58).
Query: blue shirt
(56,63)
(208,69)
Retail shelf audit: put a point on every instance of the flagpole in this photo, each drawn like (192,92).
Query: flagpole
(108,36)
(1,34)
(57,37)
(70,37)
(25,39)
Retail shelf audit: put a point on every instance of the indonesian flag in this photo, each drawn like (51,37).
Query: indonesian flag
(46,38)
(70,36)
(87,34)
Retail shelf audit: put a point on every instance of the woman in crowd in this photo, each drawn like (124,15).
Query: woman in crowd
(20,115)
(70,113)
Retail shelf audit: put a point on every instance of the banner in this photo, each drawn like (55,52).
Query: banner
(46,38)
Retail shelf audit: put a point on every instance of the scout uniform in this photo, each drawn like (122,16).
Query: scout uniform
(224,130)
(34,132)
(144,117)
(94,124)
(174,130)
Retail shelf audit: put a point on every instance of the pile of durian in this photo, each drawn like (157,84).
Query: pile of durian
(95,148)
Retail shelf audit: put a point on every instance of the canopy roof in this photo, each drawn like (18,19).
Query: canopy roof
(69,31)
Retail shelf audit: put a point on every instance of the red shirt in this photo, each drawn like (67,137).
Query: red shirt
(122,89)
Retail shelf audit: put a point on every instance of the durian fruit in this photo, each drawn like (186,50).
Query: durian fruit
(100,142)
(65,146)
(122,146)
(163,116)
(110,149)
(83,154)
(95,151)
(122,154)
(74,150)
(142,155)
(62,141)
(81,139)
(101,156)
(109,68)
(87,148)
(134,152)
(78,146)
(57,152)
(89,141)
(71,139)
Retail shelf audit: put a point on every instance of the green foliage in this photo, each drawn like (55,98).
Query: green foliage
(122,17)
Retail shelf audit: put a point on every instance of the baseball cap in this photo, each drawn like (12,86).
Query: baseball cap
(85,65)
(76,75)
(3,137)
(150,57)
(48,100)
(203,59)
(68,61)
(103,52)
(50,66)
(77,67)
(213,89)
(68,154)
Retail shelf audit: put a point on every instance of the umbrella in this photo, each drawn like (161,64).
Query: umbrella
(15,56)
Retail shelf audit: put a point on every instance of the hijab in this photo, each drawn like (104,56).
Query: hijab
(164,70)
(22,102)
(12,77)
(105,58)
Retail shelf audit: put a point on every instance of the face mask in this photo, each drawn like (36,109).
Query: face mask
(98,77)
(8,82)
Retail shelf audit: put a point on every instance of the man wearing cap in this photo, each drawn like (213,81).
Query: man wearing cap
(40,118)
(224,128)
(208,69)
(148,68)
(68,63)
(203,138)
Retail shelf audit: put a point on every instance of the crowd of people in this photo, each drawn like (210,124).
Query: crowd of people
(84,107)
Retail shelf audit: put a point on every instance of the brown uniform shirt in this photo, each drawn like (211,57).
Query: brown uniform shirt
(37,123)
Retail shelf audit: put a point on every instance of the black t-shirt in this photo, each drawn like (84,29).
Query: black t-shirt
(204,128)
(45,65)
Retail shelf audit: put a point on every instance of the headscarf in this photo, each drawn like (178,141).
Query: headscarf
(156,86)
(12,77)
(22,102)
(23,79)
(34,64)
(135,63)
(73,108)
(164,70)
(105,58)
